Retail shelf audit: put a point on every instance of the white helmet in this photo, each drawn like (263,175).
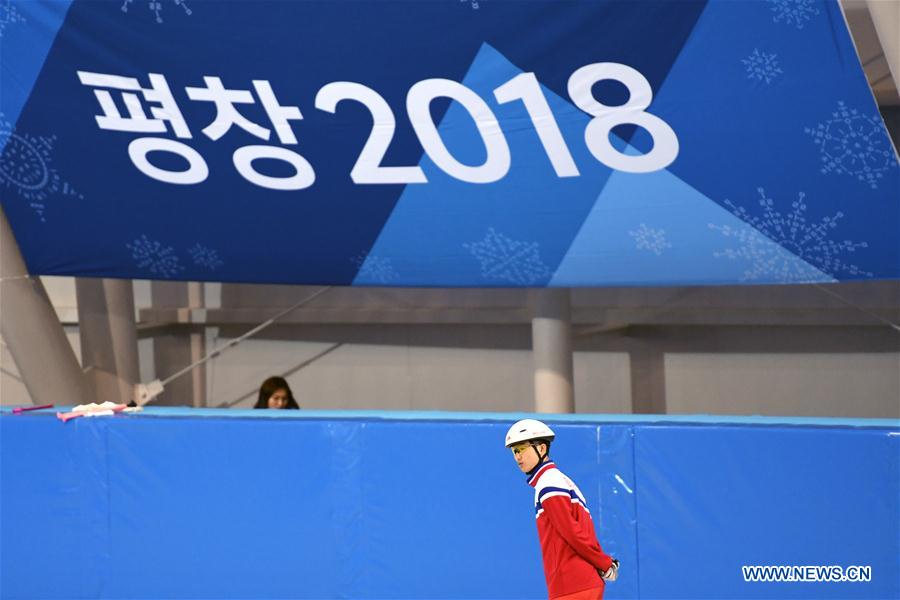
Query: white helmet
(528,429)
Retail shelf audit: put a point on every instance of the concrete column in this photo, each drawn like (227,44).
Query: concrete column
(180,345)
(197,301)
(648,379)
(551,339)
(108,337)
(886,18)
(33,333)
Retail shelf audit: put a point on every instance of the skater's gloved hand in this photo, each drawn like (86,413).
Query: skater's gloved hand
(612,573)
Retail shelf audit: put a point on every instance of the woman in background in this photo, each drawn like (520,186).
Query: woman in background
(275,393)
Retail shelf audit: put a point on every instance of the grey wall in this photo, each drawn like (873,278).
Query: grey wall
(482,368)
(811,384)
(792,350)
(722,370)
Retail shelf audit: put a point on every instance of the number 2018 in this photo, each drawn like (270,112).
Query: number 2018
(525,88)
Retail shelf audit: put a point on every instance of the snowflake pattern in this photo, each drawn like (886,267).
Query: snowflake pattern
(503,258)
(152,255)
(156,7)
(851,143)
(374,268)
(473,3)
(794,12)
(647,238)
(762,66)
(205,257)
(9,15)
(773,231)
(26,166)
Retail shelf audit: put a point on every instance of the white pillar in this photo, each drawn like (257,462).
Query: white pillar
(886,18)
(33,333)
(551,338)
(109,349)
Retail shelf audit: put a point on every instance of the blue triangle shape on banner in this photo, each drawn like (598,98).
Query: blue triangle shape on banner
(653,228)
(533,228)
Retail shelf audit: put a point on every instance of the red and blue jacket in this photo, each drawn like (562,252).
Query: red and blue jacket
(569,543)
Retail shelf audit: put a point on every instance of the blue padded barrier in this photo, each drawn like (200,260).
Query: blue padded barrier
(722,497)
(180,503)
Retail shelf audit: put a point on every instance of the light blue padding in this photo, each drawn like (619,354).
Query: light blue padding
(440,415)
(27,31)
(653,228)
(734,496)
(304,506)
(524,223)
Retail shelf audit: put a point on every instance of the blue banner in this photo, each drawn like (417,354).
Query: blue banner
(444,142)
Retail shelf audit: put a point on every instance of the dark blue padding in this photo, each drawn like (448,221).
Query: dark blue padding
(243,504)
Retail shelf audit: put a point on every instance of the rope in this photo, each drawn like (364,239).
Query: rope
(887,322)
(232,343)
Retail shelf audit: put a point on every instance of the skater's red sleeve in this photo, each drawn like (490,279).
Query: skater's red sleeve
(574,525)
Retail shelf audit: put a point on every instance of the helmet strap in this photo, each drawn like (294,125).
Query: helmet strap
(541,457)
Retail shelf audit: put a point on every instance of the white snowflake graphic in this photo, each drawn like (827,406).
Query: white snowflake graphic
(647,238)
(205,257)
(855,144)
(26,167)
(473,3)
(503,258)
(26,163)
(773,230)
(9,15)
(374,268)
(762,66)
(156,7)
(152,255)
(794,12)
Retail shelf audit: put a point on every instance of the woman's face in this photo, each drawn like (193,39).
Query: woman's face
(278,399)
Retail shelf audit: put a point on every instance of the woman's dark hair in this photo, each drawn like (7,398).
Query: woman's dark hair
(272,385)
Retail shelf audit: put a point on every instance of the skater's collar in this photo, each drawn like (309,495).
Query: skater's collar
(535,473)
